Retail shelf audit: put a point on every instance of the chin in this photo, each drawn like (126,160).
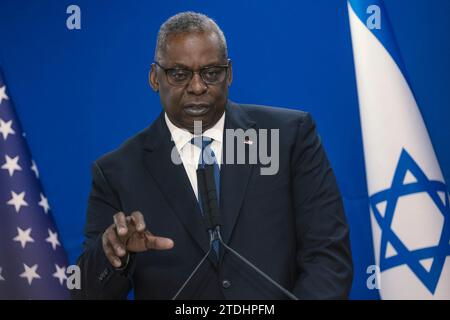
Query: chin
(206,124)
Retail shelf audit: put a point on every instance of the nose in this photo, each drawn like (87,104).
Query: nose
(197,86)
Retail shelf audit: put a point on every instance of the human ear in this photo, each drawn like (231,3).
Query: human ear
(152,78)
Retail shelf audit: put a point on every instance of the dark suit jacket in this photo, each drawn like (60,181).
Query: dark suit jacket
(291,225)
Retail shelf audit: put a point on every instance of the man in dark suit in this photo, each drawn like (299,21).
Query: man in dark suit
(145,227)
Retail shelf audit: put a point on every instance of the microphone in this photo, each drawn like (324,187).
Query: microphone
(215,223)
(213,212)
(203,195)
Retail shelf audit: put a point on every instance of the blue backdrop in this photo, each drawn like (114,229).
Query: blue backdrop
(80,93)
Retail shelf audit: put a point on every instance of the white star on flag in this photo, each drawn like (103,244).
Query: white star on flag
(5,128)
(3,95)
(53,239)
(11,165)
(35,169)
(23,236)
(60,274)
(30,273)
(30,247)
(17,200)
(44,203)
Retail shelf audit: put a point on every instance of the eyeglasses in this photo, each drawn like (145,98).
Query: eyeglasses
(180,77)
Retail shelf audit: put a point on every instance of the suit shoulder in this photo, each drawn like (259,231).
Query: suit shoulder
(275,116)
(126,152)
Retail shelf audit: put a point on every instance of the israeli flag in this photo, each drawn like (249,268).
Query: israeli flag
(409,200)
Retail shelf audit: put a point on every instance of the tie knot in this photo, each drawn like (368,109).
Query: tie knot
(207,155)
(201,142)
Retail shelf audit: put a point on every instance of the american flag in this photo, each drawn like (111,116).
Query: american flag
(32,259)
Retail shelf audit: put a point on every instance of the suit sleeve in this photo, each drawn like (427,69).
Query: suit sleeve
(99,279)
(323,247)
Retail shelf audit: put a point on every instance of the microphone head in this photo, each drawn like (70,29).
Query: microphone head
(211,190)
(203,199)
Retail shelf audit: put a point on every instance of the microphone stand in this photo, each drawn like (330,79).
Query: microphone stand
(206,219)
(255,268)
(215,222)
(211,217)
(211,239)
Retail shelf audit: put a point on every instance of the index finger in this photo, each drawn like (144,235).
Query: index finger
(157,243)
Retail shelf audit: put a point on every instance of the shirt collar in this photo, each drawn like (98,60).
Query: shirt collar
(182,136)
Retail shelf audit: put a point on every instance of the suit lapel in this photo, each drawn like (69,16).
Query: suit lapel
(175,186)
(173,181)
(234,177)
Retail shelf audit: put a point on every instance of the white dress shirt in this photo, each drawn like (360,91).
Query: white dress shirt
(190,153)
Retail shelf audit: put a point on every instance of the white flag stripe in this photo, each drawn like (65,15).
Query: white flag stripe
(385,97)
(391,123)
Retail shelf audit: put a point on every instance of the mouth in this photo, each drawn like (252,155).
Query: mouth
(196,110)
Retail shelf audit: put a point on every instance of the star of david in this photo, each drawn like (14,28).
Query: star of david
(412,258)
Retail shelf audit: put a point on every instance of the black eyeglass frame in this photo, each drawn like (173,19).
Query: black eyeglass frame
(192,72)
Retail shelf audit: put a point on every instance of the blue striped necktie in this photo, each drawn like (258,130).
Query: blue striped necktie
(207,156)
